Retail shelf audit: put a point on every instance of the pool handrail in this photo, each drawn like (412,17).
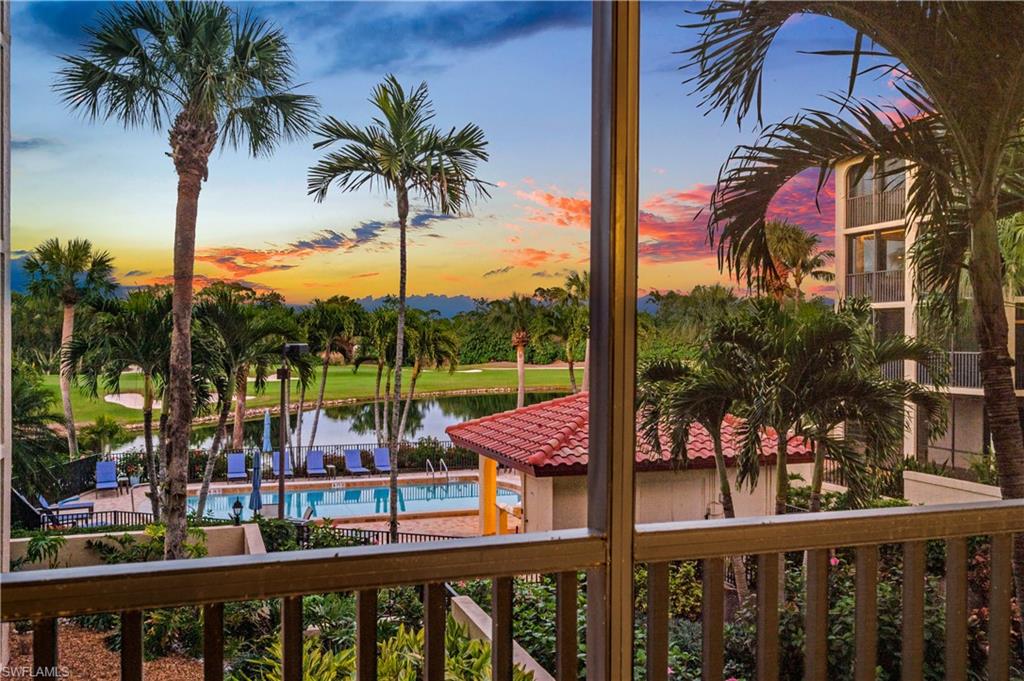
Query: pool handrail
(444,467)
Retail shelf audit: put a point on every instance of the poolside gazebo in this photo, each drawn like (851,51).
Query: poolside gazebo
(548,443)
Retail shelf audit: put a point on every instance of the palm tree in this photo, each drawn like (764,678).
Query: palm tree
(516,314)
(403,152)
(432,343)
(69,275)
(247,338)
(563,320)
(331,326)
(795,254)
(959,65)
(378,346)
(578,287)
(674,395)
(36,448)
(133,332)
(212,76)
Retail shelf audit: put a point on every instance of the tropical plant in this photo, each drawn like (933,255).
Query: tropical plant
(564,318)
(378,346)
(212,76)
(675,395)
(432,343)
(248,339)
(35,332)
(958,65)
(331,326)
(794,254)
(403,152)
(43,546)
(515,315)
(103,434)
(127,548)
(35,447)
(68,275)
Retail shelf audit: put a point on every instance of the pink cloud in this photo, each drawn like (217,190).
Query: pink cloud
(533,257)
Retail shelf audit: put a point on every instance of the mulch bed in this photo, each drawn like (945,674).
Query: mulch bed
(84,655)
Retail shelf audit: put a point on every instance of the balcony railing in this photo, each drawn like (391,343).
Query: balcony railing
(963,368)
(885,286)
(44,596)
(871,209)
(892,370)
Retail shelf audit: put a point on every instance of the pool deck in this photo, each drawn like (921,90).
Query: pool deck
(461,525)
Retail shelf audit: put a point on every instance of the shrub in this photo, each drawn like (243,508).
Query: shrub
(129,549)
(278,534)
(42,546)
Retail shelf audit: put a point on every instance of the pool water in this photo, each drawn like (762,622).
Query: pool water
(360,501)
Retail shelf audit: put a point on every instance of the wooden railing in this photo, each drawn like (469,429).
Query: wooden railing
(885,286)
(870,209)
(964,370)
(43,596)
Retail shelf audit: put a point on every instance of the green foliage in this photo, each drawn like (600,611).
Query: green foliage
(400,658)
(278,534)
(684,590)
(129,549)
(36,448)
(984,467)
(42,546)
(103,435)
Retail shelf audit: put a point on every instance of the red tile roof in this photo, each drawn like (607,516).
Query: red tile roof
(551,438)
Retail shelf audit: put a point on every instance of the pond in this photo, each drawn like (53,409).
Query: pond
(353,424)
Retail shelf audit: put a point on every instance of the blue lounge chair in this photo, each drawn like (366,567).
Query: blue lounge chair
(354,462)
(236,467)
(315,463)
(69,504)
(382,459)
(106,475)
(275,463)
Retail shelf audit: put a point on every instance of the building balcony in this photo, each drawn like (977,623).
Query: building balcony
(885,286)
(892,370)
(870,209)
(964,370)
(130,590)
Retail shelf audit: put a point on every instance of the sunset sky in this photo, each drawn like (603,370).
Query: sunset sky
(519,70)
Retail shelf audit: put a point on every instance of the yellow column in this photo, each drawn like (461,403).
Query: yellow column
(488,496)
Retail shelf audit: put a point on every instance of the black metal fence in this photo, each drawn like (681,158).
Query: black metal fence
(304,532)
(98,520)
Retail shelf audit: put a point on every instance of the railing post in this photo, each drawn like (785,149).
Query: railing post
(366,635)
(501,629)
(1000,592)
(713,618)
(657,621)
(768,616)
(213,642)
(566,636)
(866,614)
(956,608)
(131,645)
(613,262)
(44,646)
(912,649)
(291,635)
(433,632)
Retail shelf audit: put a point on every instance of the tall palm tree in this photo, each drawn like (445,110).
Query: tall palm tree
(674,395)
(133,332)
(69,274)
(959,64)
(577,285)
(210,75)
(515,315)
(795,254)
(403,152)
(247,338)
(378,346)
(331,326)
(564,321)
(432,343)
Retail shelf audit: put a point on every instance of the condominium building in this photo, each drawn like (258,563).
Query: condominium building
(873,239)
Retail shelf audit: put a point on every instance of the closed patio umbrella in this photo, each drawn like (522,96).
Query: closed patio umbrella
(256,499)
(266,430)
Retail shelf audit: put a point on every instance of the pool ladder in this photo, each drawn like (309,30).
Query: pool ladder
(442,466)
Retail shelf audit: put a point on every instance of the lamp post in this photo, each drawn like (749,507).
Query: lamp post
(289,352)
(236,511)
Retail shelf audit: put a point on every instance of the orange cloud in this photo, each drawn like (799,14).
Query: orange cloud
(533,257)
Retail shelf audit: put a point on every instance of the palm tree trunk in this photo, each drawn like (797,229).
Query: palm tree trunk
(570,360)
(408,400)
(520,376)
(403,214)
(66,332)
(161,471)
(320,400)
(817,477)
(586,366)
(729,511)
(781,473)
(215,452)
(147,436)
(241,392)
(298,415)
(179,403)
(992,330)
(377,416)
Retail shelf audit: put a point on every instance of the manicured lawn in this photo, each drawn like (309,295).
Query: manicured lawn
(341,384)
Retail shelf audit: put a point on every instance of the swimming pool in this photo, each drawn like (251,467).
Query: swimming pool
(361,501)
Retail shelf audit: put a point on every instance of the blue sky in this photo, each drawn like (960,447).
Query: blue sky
(519,70)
